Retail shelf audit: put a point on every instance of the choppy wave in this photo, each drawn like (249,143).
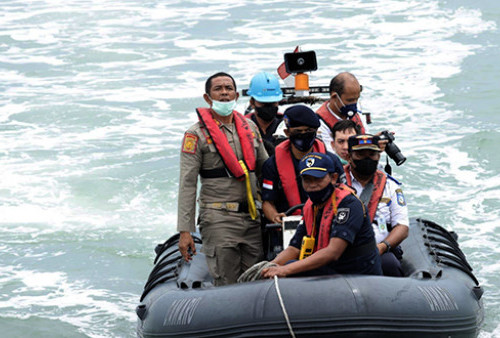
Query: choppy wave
(95,98)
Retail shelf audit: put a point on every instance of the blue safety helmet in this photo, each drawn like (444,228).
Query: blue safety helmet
(265,87)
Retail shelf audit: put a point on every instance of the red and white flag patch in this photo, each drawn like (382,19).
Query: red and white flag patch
(267,184)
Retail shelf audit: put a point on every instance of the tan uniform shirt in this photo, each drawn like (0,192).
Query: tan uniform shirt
(204,156)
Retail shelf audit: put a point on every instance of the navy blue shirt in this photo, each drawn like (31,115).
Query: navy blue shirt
(272,188)
(355,228)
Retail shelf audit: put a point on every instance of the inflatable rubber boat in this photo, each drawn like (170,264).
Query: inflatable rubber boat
(438,297)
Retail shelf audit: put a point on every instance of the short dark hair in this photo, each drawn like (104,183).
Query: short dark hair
(337,84)
(343,125)
(208,83)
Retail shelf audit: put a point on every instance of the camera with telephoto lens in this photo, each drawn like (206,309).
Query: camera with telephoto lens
(391,148)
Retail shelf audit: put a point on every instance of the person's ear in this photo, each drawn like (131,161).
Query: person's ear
(207,99)
(335,177)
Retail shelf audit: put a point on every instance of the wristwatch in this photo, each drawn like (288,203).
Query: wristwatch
(388,245)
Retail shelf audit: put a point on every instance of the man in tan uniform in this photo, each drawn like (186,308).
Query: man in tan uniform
(226,150)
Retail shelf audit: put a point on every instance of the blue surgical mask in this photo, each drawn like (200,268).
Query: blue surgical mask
(348,110)
(223,108)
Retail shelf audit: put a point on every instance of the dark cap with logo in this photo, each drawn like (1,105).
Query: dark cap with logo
(319,164)
(360,142)
(300,115)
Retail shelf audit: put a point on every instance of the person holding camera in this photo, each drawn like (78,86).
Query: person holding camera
(281,187)
(383,197)
(335,236)
(345,91)
(265,94)
(225,149)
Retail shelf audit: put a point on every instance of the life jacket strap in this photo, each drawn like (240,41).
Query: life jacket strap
(252,209)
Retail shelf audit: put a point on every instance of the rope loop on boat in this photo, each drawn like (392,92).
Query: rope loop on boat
(283,307)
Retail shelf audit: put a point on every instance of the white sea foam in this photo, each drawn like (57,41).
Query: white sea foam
(80,304)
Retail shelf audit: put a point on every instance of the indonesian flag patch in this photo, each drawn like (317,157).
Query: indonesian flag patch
(267,184)
(189,144)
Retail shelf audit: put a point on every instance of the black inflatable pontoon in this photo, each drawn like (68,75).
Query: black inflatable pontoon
(439,297)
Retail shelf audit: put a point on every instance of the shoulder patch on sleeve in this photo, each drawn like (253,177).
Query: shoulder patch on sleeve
(189,143)
(400,197)
(342,215)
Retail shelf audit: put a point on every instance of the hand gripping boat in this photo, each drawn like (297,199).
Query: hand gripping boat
(438,297)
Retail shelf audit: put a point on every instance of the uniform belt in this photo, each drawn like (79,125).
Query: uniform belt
(365,249)
(214,173)
(228,206)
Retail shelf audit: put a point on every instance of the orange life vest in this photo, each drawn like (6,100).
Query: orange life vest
(286,171)
(329,212)
(245,135)
(330,120)
(379,180)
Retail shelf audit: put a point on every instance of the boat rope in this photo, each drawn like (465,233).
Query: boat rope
(283,307)
(254,272)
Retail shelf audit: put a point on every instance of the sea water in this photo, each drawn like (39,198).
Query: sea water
(95,97)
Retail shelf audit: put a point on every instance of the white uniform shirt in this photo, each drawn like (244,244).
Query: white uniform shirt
(391,209)
(325,133)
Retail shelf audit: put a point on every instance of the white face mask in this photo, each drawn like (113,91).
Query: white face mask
(223,108)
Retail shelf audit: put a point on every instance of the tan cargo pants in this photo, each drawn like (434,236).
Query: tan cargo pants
(232,242)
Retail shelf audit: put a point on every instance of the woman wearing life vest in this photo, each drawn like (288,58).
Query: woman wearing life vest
(383,197)
(282,188)
(336,235)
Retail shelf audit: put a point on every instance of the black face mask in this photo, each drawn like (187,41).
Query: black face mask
(303,141)
(321,196)
(267,113)
(366,166)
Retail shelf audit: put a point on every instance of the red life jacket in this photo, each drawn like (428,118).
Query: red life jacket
(379,180)
(286,171)
(330,120)
(329,212)
(245,135)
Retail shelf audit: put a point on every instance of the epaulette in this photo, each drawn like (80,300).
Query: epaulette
(393,179)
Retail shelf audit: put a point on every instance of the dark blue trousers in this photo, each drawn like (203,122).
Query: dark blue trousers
(391,266)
